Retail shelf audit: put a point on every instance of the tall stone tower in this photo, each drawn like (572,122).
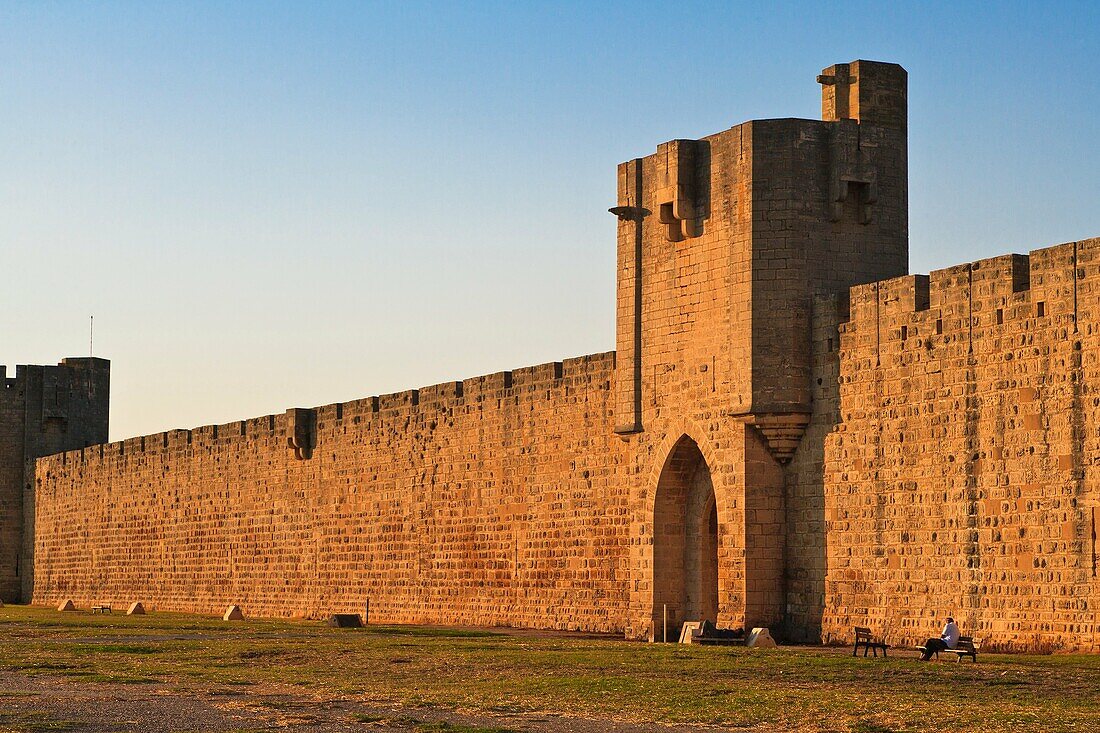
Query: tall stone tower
(43,410)
(722,244)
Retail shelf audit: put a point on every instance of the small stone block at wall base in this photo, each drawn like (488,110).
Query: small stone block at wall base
(345,621)
(233,613)
(761,638)
(692,630)
(67,605)
(136,609)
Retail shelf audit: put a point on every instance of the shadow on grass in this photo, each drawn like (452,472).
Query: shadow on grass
(406,721)
(429,631)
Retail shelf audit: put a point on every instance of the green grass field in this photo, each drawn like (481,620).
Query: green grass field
(601,679)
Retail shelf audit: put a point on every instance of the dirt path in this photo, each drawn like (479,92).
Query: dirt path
(43,703)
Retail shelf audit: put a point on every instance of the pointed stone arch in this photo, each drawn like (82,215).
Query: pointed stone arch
(684,512)
(749,513)
(674,434)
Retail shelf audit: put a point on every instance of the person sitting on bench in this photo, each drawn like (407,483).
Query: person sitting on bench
(949,637)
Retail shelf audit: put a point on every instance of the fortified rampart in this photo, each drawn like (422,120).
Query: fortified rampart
(961,475)
(495,500)
(791,433)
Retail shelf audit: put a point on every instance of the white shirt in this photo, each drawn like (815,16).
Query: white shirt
(950,634)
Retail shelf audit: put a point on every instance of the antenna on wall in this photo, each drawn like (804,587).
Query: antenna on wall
(91,331)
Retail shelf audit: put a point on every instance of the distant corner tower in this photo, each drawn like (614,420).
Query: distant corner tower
(724,241)
(43,410)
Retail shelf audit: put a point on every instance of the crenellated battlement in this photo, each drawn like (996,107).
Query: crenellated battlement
(533,382)
(1054,283)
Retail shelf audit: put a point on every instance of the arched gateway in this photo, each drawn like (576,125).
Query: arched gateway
(685,542)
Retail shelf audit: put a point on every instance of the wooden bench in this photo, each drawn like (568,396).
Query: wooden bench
(712,641)
(101,608)
(865,639)
(967,647)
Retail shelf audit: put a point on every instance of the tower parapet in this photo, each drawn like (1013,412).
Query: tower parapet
(869,92)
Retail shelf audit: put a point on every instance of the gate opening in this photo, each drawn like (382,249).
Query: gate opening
(685,543)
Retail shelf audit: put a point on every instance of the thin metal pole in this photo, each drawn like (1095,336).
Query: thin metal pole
(91,330)
(664,608)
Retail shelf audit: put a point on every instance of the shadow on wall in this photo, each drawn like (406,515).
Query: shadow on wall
(807,521)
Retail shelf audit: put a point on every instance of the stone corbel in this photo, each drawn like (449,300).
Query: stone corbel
(629,213)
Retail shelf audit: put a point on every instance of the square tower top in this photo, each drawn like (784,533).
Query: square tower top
(865,91)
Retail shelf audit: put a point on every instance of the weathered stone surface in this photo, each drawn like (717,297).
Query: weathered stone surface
(960,478)
(496,501)
(760,638)
(690,631)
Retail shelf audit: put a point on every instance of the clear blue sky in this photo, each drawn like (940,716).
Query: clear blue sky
(269,205)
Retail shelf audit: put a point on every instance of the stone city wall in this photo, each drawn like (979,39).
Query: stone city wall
(962,476)
(495,500)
